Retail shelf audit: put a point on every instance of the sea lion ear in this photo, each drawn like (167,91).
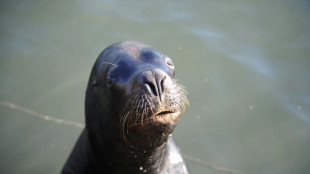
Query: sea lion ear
(94,84)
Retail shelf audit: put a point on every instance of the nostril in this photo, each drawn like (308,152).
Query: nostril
(151,88)
(162,84)
(153,82)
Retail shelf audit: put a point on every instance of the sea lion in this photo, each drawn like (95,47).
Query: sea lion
(132,106)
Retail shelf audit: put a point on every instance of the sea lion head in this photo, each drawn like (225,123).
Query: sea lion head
(132,91)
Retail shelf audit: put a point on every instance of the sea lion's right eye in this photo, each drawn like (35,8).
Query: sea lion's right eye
(169,62)
(110,80)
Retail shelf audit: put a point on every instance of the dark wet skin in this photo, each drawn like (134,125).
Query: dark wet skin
(132,106)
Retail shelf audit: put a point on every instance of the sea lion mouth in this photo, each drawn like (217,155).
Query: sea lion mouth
(165,117)
(164,113)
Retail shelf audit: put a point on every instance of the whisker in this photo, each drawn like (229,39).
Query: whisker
(109,63)
(139,105)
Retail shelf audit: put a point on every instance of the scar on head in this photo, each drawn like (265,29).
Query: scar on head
(110,64)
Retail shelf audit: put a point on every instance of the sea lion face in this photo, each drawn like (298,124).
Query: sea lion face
(139,90)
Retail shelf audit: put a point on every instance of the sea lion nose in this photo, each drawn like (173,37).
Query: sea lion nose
(153,82)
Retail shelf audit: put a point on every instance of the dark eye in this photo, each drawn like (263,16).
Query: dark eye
(169,63)
(110,80)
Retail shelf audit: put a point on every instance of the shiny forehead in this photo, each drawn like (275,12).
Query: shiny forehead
(128,51)
(137,51)
(132,48)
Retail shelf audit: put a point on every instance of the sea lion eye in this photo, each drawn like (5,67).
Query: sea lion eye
(169,63)
(110,80)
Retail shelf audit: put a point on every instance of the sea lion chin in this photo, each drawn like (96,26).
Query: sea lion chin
(132,106)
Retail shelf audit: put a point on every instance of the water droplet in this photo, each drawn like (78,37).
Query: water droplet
(179,48)
(141,168)
(206,80)
(144,171)
(136,156)
(299,107)
(251,107)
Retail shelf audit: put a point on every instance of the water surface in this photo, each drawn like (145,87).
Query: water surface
(245,65)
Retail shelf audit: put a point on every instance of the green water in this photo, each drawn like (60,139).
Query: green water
(245,65)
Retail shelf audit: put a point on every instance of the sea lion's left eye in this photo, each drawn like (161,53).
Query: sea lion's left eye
(110,80)
(169,62)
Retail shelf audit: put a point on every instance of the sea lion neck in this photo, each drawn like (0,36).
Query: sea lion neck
(140,160)
(125,157)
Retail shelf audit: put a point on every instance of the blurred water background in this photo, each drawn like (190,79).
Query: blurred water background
(244,63)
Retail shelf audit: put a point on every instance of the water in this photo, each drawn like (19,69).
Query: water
(245,65)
